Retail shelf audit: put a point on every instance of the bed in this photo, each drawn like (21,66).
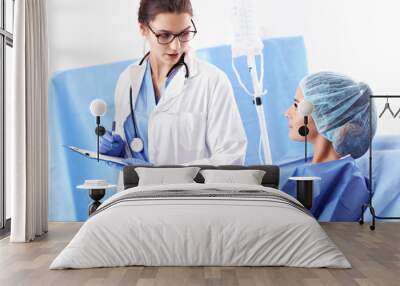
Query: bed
(201,224)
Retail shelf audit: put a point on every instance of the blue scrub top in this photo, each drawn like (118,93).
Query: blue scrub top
(144,106)
(340,193)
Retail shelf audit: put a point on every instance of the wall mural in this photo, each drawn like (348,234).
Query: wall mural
(213,124)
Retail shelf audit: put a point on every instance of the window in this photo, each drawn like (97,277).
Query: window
(6,44)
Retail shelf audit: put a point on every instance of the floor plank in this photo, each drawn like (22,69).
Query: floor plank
(375,257)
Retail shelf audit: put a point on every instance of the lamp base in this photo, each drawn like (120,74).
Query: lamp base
(305,193)
(96,195)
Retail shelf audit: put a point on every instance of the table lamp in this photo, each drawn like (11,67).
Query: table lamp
(305,108)
(98,108)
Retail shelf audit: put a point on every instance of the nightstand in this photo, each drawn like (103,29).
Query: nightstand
(97,190)
(304,190)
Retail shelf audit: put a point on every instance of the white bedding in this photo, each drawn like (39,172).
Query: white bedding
(183,231)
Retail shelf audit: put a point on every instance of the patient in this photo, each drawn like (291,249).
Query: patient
(339,124)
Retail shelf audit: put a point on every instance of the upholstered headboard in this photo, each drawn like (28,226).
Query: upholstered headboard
(270,179)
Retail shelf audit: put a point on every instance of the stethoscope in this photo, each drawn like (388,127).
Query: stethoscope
(137,144)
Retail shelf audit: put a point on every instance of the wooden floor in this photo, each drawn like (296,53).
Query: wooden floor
(375,257)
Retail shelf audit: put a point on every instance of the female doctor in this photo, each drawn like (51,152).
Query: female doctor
(170,107)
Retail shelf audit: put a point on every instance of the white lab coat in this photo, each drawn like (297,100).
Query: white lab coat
(196,120)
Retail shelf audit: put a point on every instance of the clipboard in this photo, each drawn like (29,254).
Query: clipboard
(93,155)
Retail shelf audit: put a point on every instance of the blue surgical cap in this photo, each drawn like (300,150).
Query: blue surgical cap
(341,111)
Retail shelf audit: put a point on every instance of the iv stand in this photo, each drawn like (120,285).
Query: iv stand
(258,92)
(257,100)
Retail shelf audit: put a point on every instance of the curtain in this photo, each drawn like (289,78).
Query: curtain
(27,157)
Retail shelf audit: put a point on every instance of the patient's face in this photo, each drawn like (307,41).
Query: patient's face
(295,121)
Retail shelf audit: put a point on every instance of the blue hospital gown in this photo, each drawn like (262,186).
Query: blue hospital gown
(341,192)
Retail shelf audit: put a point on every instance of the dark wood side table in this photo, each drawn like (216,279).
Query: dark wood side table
(304,190)
(97,190)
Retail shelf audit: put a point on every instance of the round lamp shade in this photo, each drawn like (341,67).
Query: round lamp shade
(305,108)
(98,107)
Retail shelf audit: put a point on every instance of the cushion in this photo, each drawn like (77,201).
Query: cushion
(248,177)
(162,176)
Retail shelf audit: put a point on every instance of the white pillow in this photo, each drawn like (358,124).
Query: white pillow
(165,176)
(248,177)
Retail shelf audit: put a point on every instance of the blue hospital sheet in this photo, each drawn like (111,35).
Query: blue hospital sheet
(385,175)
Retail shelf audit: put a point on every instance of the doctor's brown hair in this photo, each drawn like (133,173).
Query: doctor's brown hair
(149,9)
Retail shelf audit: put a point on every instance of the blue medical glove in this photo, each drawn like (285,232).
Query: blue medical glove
(111,145)
(130,162)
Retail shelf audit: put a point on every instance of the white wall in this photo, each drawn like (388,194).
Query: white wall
(89,32)
(356,37)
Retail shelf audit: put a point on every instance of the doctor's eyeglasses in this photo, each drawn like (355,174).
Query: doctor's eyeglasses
(165,38)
